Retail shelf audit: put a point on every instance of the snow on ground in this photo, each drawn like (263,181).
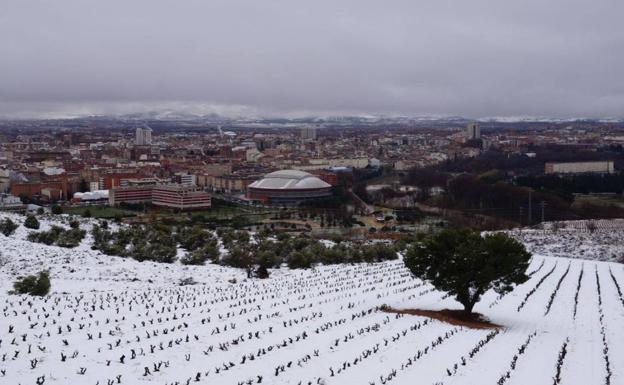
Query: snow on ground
(599,240)
(108,317)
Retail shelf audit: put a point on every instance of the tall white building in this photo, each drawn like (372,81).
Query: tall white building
(473,131)
(143,136)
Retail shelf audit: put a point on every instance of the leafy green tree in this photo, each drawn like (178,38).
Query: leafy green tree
(31,222)
(199,256)
(239,256)
(193,238)
(70,238)
(377,252)
(466,265)
(8,227)
(299,260)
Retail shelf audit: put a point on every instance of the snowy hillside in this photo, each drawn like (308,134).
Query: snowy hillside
(599,240)
(111,320)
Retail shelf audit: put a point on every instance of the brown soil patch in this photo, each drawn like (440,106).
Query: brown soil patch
(453,317)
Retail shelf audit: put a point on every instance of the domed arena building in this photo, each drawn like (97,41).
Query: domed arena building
(288,188)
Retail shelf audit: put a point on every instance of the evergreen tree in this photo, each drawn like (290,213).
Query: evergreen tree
(7,227)
(466,265)
(31,222)
(33,285)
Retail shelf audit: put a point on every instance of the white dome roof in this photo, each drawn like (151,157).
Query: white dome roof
(289,179)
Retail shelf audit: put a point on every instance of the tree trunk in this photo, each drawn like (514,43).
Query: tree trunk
(468,301)
(468,306)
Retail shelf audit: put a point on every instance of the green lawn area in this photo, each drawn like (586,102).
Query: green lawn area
(100,212)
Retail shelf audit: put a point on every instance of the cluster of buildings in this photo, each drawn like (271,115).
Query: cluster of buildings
(266,163)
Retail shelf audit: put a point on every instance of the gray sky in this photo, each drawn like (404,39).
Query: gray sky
(477,58)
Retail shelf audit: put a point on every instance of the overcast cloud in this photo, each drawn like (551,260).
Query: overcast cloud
(559,58)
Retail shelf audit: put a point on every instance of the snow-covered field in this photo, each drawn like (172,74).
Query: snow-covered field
(112,320)
(574,239)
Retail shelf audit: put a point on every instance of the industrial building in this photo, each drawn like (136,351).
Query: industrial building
(288,187)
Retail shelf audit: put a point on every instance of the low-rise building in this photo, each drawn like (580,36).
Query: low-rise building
(180,197)
(130,194)
(598,167)
(10,202)
(175,196)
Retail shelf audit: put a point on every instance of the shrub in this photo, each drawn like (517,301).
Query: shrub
(298,260)
(56,210)
(46,237)
(31,222)
(33,285)
(187,281)
(59,236)
(193,238)
(201,255)
(7,226)
(143,243)
(261,272)
(238,256)
(86,213)
(70,238)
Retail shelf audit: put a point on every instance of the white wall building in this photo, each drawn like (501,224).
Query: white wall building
(8,201)
(601,167)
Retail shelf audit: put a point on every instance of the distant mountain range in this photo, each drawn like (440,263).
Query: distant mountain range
(185,116)
(182,116)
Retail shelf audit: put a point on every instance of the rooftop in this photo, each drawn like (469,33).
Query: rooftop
(289,179)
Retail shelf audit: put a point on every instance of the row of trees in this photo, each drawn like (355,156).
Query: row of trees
(462,263)
(256,253)
(143,243)
(265,251)
(59,236)
(567,185)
